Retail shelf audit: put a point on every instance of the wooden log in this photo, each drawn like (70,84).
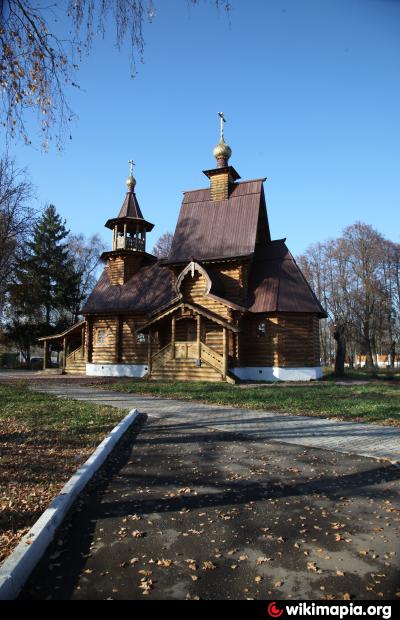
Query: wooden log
(65,352)
(118,340)
(225,352)
(149,352)
(45,354)
(198,336)
(173,332)
(83,335)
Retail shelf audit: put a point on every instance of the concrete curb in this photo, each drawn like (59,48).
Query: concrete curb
(17,568)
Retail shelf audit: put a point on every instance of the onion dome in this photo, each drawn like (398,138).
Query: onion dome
(222,151)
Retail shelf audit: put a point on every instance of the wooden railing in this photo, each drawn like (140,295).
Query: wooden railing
(75,356)
(188,350)
(161,355)
(130,243)
(211,357)
(185,350)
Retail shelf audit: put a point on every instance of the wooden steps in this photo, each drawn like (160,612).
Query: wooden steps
(75,362)
(76,367)
(184,370)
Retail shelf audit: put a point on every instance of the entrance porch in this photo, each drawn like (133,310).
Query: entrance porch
(71,344)
(193,345)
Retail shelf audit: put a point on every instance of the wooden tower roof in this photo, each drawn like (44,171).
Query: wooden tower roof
(130,212)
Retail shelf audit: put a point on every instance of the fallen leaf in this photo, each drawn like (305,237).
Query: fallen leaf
(164,563)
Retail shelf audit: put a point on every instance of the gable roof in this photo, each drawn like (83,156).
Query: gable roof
(208,229)
(276,283)
(145,291)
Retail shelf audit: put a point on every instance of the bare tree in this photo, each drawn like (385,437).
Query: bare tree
(357,278)
(36,64)
(16,219)
(85,254)
(163,245)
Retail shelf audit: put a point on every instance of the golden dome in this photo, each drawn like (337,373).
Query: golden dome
(222,151)
(131,182)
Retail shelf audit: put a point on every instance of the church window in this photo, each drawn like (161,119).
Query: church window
(261,330)
(101,336)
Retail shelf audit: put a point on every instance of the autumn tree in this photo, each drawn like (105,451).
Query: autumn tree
(37,63)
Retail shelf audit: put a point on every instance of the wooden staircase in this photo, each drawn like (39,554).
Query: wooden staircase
(75,362)
(184,370)
(166,368)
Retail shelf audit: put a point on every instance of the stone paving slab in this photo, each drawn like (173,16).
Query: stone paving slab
(370,440)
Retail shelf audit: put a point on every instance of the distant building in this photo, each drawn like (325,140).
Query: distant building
(228,303)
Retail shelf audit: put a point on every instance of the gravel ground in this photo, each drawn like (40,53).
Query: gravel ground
(188,512)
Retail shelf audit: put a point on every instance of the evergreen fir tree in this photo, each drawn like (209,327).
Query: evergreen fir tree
(46,282)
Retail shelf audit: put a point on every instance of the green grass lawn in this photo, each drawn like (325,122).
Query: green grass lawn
(369,402)
(362,374)
(47,412)
(43,440)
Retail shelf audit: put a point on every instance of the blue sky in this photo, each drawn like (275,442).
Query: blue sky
(311,91)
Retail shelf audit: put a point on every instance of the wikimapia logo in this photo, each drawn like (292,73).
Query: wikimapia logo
(332,610)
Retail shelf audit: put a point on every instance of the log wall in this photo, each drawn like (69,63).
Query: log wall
(193,291)
(290,341)
(220,186)
(121,344)
(103,353)
(234,281)
(212,335)
(253,350)
(122,268)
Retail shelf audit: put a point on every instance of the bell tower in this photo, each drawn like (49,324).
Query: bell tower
(129,230)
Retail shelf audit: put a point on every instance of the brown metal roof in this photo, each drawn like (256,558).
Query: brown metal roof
(209,229)
(276,283)
(130,207)
(130,211)
(147,290)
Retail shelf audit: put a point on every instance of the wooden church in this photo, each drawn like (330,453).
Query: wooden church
(229,303)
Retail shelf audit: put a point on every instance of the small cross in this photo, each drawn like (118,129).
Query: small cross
(223,120)
(131,165)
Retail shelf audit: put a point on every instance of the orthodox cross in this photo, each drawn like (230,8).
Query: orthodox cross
(223,120)
(131,165)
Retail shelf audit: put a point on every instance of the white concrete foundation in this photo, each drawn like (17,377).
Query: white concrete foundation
(275,373)
(116,370)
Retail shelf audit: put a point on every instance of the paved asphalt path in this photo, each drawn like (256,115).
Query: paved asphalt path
(183,511)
